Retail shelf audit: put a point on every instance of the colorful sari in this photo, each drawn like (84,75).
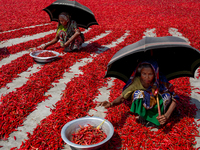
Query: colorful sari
(65,33)
(144,101)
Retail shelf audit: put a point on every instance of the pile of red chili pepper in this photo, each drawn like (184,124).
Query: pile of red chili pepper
(178,133)
(88,135)
(46,54)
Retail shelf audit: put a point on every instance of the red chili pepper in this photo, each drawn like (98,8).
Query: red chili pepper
(94,109)
(46,54)
(88,133)
(45,135)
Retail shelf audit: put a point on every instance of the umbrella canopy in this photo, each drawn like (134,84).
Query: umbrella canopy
(175,57)
(78,12)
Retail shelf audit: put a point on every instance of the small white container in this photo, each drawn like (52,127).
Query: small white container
(35,54)
(73,126)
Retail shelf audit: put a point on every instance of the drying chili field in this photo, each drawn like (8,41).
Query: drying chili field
(37,100)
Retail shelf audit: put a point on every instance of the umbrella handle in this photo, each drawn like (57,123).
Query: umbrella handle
(158,103)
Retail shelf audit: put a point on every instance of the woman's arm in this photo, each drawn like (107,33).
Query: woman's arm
(73,37)
(163,118)
(116,102)
(55,40)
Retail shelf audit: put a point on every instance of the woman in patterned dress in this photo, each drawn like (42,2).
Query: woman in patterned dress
(140,89)
(68,33)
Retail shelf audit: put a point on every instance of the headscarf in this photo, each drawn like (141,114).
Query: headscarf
(64,15)
(160,83)
(155,68)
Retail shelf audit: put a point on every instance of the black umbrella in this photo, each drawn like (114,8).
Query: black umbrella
(175,57)
(78,12)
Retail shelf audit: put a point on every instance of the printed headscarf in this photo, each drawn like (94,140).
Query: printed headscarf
(65,16)
(155,68)
(160,83)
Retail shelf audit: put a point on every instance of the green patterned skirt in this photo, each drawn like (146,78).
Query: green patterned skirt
(148,114)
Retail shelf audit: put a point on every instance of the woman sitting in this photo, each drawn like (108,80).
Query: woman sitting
(141,89)
(68,33)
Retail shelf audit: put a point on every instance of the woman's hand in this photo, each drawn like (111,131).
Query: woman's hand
(32,49)
(116,102)
(55,40)
(162,119)
(72,38)
(106,104)
(43,47)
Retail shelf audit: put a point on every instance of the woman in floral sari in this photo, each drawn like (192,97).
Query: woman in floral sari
(140,89)
(68,33)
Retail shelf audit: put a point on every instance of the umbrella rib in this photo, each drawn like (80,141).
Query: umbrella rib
(49,12)
(85,8)
(118,74)
(171,44)
(184,73)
